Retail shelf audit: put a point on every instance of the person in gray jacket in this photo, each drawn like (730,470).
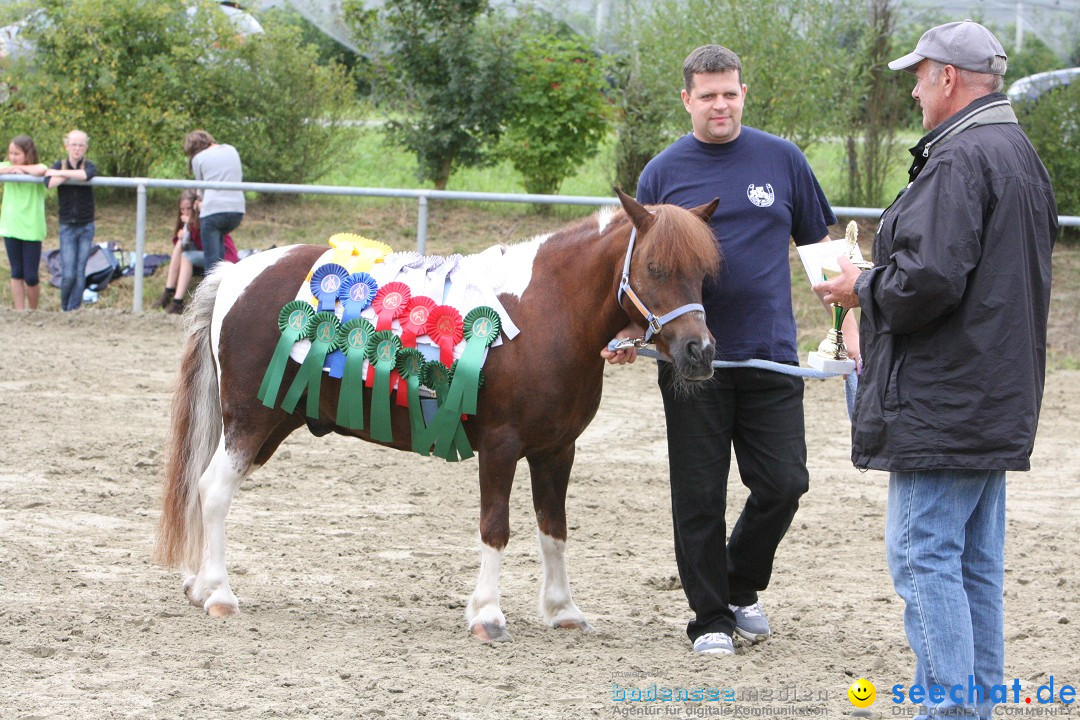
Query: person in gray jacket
(220,211)
(953,335)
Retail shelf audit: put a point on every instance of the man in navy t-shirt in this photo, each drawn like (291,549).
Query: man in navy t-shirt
(768,195)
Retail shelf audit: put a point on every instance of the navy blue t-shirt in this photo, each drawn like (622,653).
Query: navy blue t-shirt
(768,195)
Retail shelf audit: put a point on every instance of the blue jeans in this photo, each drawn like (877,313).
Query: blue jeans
(75,244)
(213,229)
(945,541)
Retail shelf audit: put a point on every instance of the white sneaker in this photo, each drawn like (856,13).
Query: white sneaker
(714,643)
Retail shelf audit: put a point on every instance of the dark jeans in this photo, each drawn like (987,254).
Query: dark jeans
(213,229)
(75,244)
(760,412)
(24,256)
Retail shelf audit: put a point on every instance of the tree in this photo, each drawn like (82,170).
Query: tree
(797,74)
(441,68)
(1036,57)
(1052,125)
(559,113)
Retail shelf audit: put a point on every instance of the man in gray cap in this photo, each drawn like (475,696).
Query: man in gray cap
(953,333)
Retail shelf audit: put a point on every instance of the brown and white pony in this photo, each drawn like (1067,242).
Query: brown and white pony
(542,388)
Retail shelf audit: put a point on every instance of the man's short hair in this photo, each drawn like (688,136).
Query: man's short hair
(709,59)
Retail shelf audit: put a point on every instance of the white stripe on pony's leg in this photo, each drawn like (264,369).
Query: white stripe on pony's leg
(483,609)
(210,588)
(557,606)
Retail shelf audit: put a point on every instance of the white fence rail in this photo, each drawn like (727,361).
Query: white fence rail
(421,196)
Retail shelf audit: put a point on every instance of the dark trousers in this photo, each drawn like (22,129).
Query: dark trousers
(24,256)
(760,413)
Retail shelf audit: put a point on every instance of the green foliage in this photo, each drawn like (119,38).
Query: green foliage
(272,100)
(798,75)
(559,111)
(440,66)
(137,76)
(1053,124)
(115,68)
(328,49)
(1036,57)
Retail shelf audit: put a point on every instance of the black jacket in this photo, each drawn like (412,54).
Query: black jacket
(76,202)
(953,329)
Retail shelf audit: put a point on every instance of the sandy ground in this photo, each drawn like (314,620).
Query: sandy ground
(353,564)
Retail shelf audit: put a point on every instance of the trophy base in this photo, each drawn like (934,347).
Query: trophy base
(826,364)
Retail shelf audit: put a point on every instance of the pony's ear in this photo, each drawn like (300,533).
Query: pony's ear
(642,218)
(705,211)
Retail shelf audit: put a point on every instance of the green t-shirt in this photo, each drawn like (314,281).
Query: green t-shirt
(22,210)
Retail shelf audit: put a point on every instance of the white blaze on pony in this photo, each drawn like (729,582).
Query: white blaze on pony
(560,292)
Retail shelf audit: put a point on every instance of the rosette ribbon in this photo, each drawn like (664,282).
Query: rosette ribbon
(352,338)
(389,303)
(482,326)
(292,320)
(438,377)
(355,294)
(445,328)
(382,349)
(325,284)
(413,323)
(410,366)
(322,331)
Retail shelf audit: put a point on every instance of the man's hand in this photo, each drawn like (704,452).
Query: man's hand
(629,355)
(840,290)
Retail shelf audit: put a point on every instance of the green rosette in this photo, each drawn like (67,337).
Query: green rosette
(352,339)
(292,321)
(482,327)
(322,331)
(381,351)
(437,377)
(410,366)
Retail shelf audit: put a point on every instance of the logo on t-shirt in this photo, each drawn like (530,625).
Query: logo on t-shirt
(760,196)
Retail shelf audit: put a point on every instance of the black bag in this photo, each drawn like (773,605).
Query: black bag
(102,266)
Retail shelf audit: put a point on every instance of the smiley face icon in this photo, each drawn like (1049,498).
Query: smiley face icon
(862,693)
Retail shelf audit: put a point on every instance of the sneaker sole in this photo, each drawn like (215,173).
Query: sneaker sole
(715,652)
(752,637)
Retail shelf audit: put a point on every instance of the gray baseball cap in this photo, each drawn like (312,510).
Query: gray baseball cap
(966,45)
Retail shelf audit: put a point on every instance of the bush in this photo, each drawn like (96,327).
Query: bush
(559,114)
(1053,124)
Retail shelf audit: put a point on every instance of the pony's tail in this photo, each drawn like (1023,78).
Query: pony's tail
(194,436)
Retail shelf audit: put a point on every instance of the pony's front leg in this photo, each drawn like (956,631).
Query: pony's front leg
(550,477)
(209,589)
(485,617)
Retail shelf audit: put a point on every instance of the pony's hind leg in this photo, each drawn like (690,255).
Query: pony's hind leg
(209,588)
(550,477)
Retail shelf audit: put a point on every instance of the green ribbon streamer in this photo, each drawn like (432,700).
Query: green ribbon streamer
(482,326)
(410,366)
(447,422)
(292,321)
(322,331)
(352,339)
(381,351)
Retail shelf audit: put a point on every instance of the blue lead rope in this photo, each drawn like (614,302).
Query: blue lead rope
(851,384)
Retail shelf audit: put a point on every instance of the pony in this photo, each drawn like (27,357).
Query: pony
(568,292)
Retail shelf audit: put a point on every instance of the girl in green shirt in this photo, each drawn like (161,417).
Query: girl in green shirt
(22,221)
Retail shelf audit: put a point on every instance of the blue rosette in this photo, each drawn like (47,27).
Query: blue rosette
(325,284)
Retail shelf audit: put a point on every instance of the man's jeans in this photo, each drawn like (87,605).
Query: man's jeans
(213,229)
(75,244)
(945,541)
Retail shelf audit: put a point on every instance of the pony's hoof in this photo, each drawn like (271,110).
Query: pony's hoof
(581,625)
(221,611)
(189,592)
(490,633)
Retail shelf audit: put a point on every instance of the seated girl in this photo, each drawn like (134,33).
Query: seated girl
(187,254)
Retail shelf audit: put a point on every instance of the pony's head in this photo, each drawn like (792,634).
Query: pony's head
(675,252)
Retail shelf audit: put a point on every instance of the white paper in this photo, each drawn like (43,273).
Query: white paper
(815,255)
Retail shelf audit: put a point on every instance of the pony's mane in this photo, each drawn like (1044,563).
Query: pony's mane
(680,239)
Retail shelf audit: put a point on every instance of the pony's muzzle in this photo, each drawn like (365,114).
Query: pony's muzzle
(695,361)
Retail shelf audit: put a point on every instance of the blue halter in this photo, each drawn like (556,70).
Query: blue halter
(655,324)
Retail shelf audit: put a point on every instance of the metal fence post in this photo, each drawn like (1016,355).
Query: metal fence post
(421,225)
(140,244)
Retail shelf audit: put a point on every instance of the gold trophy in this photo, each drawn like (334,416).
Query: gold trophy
(831,355)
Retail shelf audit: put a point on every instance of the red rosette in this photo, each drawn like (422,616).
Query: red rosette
(447,329)
(389,303)
(415,320)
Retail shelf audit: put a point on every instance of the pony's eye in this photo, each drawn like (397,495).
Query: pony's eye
(658,271)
